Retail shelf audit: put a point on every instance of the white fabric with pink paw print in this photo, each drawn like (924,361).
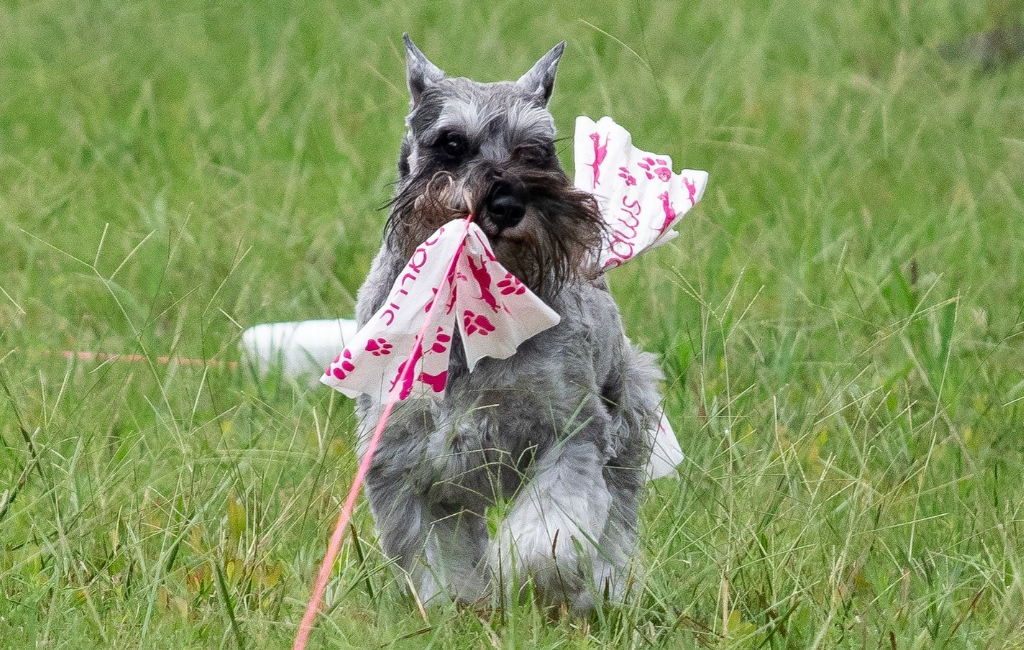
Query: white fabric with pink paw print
(640,197)
(493,310)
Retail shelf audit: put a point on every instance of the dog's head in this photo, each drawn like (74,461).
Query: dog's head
(489,149)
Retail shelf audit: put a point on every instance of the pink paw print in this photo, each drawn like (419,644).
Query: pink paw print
(475,323)
(378,347)
(436,382)
(442,339)
(342,365)
(651,168)
(510,284)
(629,178)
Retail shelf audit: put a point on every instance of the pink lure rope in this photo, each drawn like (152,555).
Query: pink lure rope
(139,358)
(306,626)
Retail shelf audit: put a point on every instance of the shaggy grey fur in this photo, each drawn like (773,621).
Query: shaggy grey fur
(556,431)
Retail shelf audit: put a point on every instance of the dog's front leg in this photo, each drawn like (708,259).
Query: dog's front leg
(439,544)
(454,555)
(440,548)
(551,533)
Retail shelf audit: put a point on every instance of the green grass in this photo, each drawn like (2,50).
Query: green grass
(841,322)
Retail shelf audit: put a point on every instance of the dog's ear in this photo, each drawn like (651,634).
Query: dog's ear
(420,73)
(541,77)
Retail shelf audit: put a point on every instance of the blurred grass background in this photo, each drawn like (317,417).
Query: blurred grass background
(840,322)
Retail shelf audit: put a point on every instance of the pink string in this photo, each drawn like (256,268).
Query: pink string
(306,626)
(139,358)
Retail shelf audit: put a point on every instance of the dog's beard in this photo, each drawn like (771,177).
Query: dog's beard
(556,242)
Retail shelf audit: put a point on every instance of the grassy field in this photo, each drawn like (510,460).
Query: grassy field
(841,322)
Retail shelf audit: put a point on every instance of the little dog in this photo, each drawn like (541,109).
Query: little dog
(556,433)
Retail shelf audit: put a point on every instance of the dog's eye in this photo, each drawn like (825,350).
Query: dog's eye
(536,154)
(453,145)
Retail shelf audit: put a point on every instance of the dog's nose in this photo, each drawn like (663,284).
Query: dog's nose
(504,206)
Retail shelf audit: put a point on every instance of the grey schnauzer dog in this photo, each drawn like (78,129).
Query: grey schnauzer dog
(556,433)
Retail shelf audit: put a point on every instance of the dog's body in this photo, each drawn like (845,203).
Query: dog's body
(558,428)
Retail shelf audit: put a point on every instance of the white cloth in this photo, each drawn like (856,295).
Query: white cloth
(298,349)
(641,198)
(493,310)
